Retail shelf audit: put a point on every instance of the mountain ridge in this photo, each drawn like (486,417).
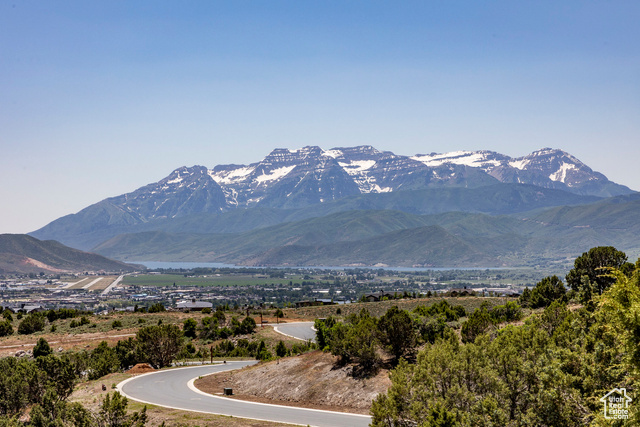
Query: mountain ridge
(452,239)
(20,253)
(104,220)
(235,202)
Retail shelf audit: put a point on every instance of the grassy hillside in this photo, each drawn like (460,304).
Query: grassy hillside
(396,238)
(430,246)
(104,220)
(20,253)
(349,238)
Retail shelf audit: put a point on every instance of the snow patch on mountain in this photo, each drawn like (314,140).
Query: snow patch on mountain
(520,164)
(275,174)
(357,166)
(231,176)
(561,174)
(378,189)
(463,158)
(176,180)
(333,153)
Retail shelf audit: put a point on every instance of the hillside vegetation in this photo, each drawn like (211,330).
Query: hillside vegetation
(20,253)
(396,238)
(104,220)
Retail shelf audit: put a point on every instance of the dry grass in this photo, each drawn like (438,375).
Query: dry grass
(379,308)
(271,337)
(103,283)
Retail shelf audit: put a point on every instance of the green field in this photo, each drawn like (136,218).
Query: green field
(209,280)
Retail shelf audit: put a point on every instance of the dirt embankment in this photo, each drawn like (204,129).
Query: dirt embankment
(311,381)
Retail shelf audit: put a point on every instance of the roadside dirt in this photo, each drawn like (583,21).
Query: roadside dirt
(11,345)
(141,368)
(309,381)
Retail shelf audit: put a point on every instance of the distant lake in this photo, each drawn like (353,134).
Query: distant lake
(152,265)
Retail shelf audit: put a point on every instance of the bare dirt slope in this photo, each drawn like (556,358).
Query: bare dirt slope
(311,380)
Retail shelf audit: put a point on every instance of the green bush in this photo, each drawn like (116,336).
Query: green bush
(248,325)
(397,333)
(442,308)
(63,313)
(432,328)
(510,312)
(128,353)
(103,360)
(356,340)
(478,323)
(5,328)
(189,328)
(544,293)
(41,348)
(157,308)
(31,323)
(160,344)
(281,349)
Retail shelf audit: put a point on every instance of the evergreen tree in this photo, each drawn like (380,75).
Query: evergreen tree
(32,323)
(546,291)
(397,333)
(160,344)
(281,349)
(5,328)
(591,273)
(41,348)
(189,328)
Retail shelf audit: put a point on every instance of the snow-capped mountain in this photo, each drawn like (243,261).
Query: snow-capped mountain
(293,178)
(548,168)
(311,176)
(285,178)
(183,192)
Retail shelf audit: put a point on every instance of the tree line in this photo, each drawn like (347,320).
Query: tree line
(581,342)
(44,384)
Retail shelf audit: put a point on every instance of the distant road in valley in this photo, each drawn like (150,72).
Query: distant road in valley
(111,286)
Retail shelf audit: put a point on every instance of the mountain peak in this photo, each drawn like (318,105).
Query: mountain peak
(308,176)
(286,155)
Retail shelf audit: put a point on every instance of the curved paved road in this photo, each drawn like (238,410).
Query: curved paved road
(299,330)
(174,388)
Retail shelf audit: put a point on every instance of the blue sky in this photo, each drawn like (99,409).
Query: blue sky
(99,98)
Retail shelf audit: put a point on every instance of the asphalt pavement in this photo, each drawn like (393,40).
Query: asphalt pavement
(300,330)
(174,388)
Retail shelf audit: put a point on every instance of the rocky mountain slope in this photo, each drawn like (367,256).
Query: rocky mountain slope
(311,179)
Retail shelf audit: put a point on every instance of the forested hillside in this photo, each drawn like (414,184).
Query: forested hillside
(557,368)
